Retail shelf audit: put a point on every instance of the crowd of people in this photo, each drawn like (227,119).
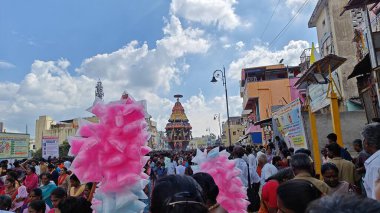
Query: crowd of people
(42,186)
(277,179)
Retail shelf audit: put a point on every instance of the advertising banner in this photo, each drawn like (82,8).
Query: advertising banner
(289,123)
(14,145)
(318,94)
(50,147)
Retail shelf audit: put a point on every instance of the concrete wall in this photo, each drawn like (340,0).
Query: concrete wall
(351,122)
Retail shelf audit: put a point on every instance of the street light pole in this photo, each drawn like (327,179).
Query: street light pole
(220,126)
(214,80)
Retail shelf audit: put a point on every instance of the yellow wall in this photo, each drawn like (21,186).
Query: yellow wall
(270,93)
(239,132)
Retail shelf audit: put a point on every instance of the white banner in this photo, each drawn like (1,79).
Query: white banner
(50,147)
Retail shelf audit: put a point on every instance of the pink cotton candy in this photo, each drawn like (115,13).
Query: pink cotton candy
(232,194)
(112,151)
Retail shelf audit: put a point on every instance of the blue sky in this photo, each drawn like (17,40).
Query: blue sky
(53,52)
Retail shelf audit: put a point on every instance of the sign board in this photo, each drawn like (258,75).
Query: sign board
(289,123)
(14,145)
(318,94)
(50,147)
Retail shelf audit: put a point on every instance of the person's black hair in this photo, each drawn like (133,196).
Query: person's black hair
(5,202)
(11,180)
(37,192)
(48,175)
(344,204)
(297,194)
(59,192)
(38,205)
(13,174)
(249,150)
(75,204)
(329,166)
(64,169)
(51,166)
(276,159)
(177,193)
(16,164)
(271,146)
(376,120)
(334,148)
(89,185)
(210,189)
(358,142)
(332,137)
(282,175)
(33,169)
(74,178)
(277,138)
(304,151)
(301,162)
(291,149)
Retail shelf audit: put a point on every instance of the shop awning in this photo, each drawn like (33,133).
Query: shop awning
(353,4)
(265,122)
(319,67)
(361,68)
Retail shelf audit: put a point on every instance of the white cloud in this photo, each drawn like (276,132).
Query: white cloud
(200,112)
(139,66)
(209,12)
(226,46)
(6,65)
(239,45)
(261,55)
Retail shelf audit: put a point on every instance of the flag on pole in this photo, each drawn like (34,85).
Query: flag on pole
(314,56)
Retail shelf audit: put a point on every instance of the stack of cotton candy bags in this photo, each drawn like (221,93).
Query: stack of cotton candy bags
(112,153)
(232,194)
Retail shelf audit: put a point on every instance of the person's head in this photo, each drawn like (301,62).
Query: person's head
(294,196)
(333,150)
(31,170)
(304,151)
(37,206)
(210,189)
(75,204)
(291,150)
(87,189)
(63,171)
(301,163)
(33,163)
(10,183)
(74,181)
(262,160)
(276,160)
(5,202)
(16,164)
(358,145)
(12,174)
(371,135)
(45,178)
(51,167)
(277,138)
(238,152)
(249,150)
(332,138)
(35,194)
(282,176)
(330,174)
(57,195)
(343,204)
(177,193)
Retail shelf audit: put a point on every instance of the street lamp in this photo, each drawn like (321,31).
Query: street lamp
(215,76)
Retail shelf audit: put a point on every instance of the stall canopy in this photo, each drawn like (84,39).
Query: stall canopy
(319,67)
(362,68)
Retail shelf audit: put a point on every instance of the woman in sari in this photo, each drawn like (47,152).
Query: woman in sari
(47,188)
(10,188)
(64,179)
(34,195)
(31,179)
(77,188)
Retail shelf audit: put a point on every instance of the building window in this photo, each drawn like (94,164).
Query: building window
(323,23)
(234,133)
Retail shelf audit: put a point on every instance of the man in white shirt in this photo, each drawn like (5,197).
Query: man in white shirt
(371,144)
(180,169)
(267,168)
(252,162)
(242,165)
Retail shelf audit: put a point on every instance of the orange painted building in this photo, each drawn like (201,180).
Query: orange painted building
(263,90)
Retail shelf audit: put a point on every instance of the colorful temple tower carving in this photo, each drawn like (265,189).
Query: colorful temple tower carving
(178,130)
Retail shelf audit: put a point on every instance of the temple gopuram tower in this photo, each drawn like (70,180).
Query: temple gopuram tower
(178,130)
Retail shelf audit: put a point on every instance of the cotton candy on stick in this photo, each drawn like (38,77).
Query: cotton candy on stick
(112,153)
(232,194)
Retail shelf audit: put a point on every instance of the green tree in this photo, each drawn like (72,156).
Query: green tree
(64,149)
